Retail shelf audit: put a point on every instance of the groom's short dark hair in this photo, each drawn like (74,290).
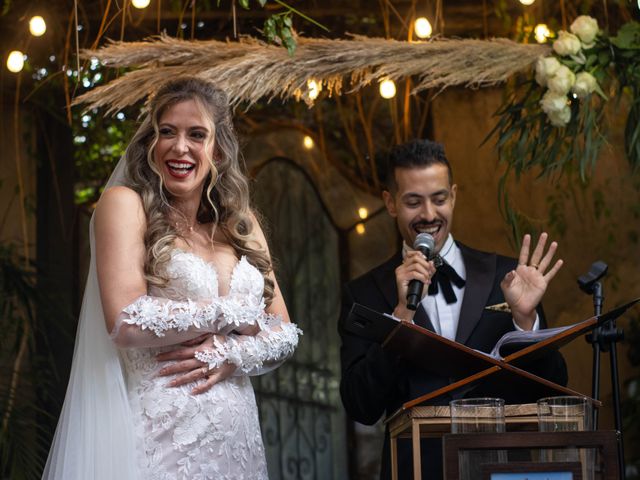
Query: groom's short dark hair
(414,154)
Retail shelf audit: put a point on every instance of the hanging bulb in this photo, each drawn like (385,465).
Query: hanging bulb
(387,89)
(422,27)
(140,3)
(307,141)
(15,61)
(37,26)
(363,213)
(360,229)
(314,89)
(541,32)
(527,2)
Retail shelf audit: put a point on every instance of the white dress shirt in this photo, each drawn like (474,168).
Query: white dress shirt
(445,316)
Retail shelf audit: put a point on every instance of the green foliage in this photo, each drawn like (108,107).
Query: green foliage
(23,442)
(628,37)
(278,28)
(99,142)
(527,141)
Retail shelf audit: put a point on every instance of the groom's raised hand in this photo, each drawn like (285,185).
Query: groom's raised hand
(524,287)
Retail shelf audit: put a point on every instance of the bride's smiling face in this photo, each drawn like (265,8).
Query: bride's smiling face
(184,148)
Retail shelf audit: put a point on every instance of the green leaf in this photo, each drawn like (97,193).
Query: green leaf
(628,36)
(269,29)
(244,4)
(591,60)
(600,92)
(290,44)
(262,3)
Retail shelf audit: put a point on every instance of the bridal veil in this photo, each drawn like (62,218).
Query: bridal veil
(94,438)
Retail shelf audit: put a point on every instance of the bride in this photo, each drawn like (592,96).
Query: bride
(181,306)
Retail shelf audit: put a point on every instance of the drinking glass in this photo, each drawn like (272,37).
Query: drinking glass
(477,415)
(567,414)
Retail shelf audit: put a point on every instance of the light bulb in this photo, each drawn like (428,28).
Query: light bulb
(360,229)
(37,26)
(363,213)
(541,32)
(15,61)
(307,141)
(422,27)
(140,3)
(527,2)
(387,89)
(314,89)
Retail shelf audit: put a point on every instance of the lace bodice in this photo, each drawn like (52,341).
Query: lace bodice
(193,278)
(215,435)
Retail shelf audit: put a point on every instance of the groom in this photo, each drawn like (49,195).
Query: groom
(421,196)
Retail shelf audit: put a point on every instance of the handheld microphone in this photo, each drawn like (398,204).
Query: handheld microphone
(424,243)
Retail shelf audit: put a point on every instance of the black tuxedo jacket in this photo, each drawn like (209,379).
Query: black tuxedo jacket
(375,382)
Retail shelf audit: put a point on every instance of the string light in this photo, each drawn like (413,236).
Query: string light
(15,61)
(307,141)
(422,27)
(314,89)
(527,2)
(140,3)
(387,89)
(363,213)
(541,32)
(360,229)
(37,26)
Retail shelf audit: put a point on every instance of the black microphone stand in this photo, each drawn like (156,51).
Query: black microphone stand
(603,339)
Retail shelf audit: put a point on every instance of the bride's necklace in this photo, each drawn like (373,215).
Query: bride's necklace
(184,227)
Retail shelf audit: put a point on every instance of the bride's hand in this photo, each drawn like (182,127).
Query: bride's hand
(189,369)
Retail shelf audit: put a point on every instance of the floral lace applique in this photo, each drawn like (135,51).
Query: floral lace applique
(214,435)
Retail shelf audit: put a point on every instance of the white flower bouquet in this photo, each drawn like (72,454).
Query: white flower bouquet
(552,121)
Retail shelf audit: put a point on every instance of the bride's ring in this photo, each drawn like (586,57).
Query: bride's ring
(534,265)
(205,371)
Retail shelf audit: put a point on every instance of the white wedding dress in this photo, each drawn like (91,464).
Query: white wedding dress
(121,421)
(213,435)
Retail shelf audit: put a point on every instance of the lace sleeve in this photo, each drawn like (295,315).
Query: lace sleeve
(255,355)
(154,321)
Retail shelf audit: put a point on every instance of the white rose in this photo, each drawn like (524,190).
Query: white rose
(562,81)
(545,68)
(561,117)
(566,44)
(552,102)
(586,28)
(585,84)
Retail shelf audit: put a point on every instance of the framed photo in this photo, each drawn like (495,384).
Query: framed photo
(532,471)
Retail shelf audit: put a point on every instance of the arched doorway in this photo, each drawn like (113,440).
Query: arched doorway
(302,419)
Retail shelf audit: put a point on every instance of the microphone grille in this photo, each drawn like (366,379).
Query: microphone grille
(424,240)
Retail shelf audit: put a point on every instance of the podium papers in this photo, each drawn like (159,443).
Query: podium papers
(444,357)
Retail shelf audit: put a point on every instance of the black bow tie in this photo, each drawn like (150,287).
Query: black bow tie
(445,275)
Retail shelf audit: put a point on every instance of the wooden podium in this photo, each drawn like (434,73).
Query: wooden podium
(428,349)
(435,421)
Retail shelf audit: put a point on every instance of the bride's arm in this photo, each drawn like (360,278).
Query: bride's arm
(134,318)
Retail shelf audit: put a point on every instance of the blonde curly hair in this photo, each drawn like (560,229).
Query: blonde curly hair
(225,197)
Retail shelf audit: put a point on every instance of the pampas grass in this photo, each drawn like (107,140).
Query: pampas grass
(250,70)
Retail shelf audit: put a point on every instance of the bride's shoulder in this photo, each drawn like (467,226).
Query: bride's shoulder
(119,197)
(119,201)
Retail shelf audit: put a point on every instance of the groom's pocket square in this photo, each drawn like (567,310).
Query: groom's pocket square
(499,307)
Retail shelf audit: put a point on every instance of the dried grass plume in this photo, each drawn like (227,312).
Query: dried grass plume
(250,70)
